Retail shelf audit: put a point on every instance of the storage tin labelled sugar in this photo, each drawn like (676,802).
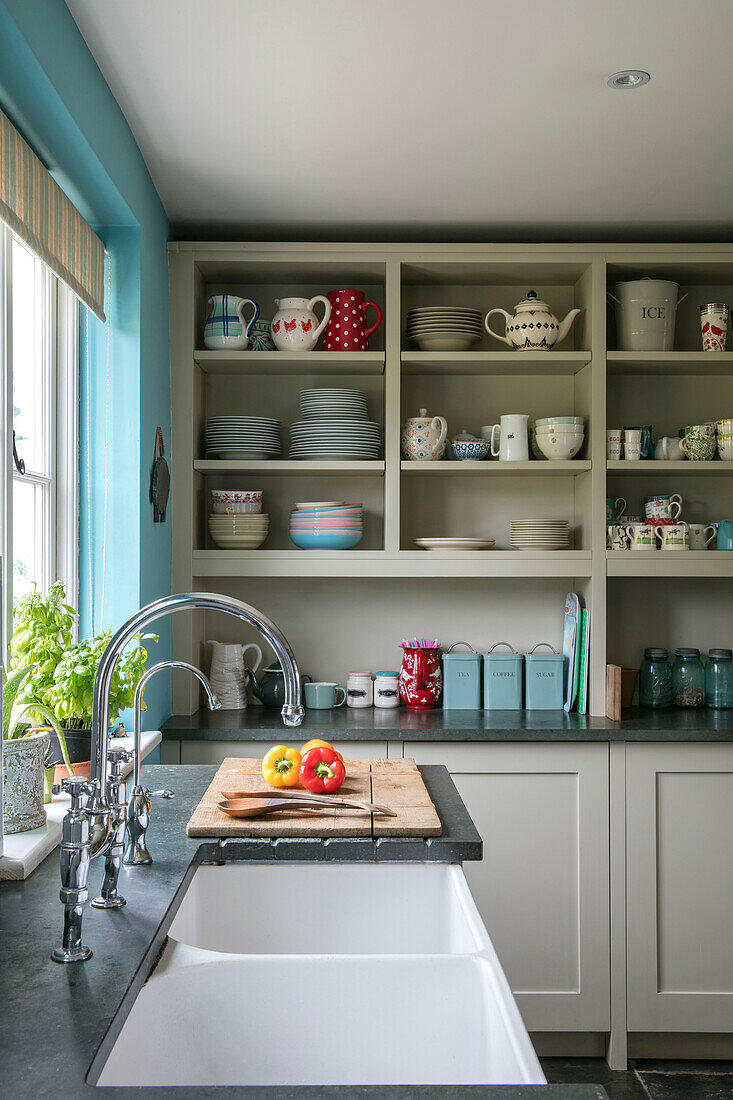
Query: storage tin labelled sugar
(503,675)
(462,679)
(544,678)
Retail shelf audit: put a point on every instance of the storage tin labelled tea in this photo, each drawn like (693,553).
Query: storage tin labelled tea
(503,674)
(461,679)
(544,678)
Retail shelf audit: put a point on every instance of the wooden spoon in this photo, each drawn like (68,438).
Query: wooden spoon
(247,807)
(320,799)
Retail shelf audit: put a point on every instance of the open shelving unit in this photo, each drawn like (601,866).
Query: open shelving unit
(340,604)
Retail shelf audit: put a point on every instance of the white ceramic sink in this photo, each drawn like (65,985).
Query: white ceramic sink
(325,974)
(330,909)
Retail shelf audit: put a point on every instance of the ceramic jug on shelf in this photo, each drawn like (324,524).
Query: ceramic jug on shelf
(423,437)
(228,675)
(512,445)
(226,327)
(533,327)
(295,326)
(347,329)
(669,449)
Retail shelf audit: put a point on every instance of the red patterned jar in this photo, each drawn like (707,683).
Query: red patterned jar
(421,679)
(346,329)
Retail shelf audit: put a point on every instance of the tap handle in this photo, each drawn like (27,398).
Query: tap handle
(76,786)
(165,793)
(117,756)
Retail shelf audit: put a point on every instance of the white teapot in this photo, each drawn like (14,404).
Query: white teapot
(295,326)
(533,327)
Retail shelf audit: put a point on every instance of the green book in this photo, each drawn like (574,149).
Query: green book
(583,647)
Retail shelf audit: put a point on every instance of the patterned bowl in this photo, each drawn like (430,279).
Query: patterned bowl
(469,450)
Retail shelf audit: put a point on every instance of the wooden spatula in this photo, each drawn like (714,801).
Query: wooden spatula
(251,807)
(314,799)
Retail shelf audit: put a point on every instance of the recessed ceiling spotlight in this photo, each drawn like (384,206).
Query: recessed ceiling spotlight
(628,78)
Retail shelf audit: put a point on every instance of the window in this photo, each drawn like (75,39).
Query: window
(39,424)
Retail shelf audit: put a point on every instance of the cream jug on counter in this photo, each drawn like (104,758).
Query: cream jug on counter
(423,437)
(533,327)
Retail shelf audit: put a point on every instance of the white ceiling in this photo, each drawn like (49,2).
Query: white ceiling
(424,118)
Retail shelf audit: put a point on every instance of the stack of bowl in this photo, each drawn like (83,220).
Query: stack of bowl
(444,328)
(326,525)
(558,437)
(236,521)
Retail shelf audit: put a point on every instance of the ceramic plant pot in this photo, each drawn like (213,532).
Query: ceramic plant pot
(23,783)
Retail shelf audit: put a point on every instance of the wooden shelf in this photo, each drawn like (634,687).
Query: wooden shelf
(493,468)
(670,362)
(650,466)
(669,563)
(382,563)
(494,362)
(290,362)
(291,468)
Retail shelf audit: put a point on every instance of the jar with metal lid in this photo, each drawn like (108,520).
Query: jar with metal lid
(544,678)
(359,689)
(719,679)
(655,679)
(503,679)
(688,678)
(387,689)
(462,679)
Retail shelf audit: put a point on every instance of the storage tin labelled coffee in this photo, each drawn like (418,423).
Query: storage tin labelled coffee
(503,674)
(461,679)
(544,678)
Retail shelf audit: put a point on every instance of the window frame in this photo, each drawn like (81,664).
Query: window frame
(61,384)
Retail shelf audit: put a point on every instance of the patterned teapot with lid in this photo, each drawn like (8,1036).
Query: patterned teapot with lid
(423,437)
(533,327)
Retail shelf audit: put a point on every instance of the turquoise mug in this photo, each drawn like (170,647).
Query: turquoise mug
(725,535)
(321,695)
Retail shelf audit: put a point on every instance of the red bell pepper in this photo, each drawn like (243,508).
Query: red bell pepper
(322,770)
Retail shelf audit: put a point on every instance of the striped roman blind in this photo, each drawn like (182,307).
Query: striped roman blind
(35,207)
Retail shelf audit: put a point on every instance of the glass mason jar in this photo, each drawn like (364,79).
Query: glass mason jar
(719,679)
(688,679)
(655,679)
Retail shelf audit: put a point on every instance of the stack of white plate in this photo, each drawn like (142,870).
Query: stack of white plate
(328,404)
(540,534)
(334,425)
(243,437)
(333,438)
(444,328)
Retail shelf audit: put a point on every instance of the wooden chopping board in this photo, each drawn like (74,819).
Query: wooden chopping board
(393,783)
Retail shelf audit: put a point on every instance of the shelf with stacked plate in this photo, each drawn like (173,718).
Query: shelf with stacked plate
(293,468)
(301,363)
(495,362)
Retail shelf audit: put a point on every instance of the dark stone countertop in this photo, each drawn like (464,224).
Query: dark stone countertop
(257,723)
(56,1019)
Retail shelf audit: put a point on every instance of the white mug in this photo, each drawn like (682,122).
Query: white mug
(641,536)
(698,533)
(725,447)
(673,536)
(513,445)
(632,444)
(613,443)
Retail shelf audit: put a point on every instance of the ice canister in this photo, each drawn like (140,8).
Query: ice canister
(544,678)
(461,679)
(503,675)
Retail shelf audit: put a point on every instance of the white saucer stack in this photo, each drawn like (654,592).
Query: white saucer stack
(540,534)
(444,328)
(334,426)
(242,437)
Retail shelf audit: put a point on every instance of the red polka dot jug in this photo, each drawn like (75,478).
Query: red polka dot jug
(346,329)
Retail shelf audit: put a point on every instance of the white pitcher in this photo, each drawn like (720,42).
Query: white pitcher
(295,326)
(227,675)
(513,445)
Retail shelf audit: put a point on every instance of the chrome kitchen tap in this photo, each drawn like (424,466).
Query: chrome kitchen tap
(89,822)
(117,800)
(139,806)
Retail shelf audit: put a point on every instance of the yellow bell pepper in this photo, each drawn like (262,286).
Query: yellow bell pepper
(318,743)
(281,766)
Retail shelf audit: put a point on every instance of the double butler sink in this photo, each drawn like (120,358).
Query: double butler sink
(325,974)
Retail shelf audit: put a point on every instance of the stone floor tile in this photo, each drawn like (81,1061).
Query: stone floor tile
(687,1086)
(618,1084)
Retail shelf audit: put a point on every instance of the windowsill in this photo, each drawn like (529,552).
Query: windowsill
(24,851)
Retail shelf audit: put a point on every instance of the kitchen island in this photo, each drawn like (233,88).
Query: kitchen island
(59,1021)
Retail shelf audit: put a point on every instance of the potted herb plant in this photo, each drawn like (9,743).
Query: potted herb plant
(62,673)
(25,752)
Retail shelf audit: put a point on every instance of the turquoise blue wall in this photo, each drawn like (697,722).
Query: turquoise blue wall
(52,90)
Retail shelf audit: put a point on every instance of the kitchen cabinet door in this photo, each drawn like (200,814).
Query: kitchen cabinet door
(213,752)
(542,887)
(679,818)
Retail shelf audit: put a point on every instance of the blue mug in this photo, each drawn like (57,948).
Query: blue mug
(322,695)
(725,535)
